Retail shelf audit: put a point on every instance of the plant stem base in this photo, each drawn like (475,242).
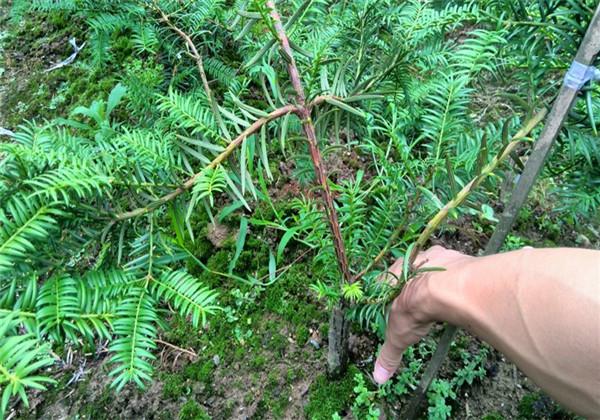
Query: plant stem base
(339,329)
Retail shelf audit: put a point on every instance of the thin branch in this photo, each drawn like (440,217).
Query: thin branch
(180,349)
(462,195)
(256,125)
(323,98)
(309,130)
(197,57)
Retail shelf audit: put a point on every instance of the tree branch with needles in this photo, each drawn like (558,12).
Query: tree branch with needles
(197,57)
(189,183)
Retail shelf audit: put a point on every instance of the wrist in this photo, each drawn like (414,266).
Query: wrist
(463,294)
(444,292)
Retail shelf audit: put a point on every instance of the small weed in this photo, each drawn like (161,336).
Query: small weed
(365,404)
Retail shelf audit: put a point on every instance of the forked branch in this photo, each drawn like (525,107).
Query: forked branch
(309,130)
(302,109)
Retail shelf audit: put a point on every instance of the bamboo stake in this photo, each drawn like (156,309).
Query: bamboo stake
(588,50)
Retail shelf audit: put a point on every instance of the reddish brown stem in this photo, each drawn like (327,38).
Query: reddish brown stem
(309,130)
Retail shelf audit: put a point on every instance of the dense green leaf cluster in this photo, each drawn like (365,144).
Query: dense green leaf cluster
(96,216)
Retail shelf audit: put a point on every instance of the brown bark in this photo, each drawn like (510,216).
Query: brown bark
(309,130)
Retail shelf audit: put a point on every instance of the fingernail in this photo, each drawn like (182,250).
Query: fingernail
(381,374)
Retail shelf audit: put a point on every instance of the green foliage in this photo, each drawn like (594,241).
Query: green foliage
(191,410)
(65,274)
(439,391)
(98,236)
(364,406)
(538,406)
(20,358)
(493,416)
(200,371)
(24,222)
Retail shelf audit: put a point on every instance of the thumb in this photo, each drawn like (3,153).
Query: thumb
(405,327)
(387,362)
(402,331)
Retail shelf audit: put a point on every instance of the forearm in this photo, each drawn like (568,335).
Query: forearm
(539,307)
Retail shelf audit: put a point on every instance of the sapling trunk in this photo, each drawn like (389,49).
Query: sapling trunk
(337,359)
(337,352)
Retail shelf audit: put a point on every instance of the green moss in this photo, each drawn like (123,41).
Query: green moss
(302,334)
(182,333)
(174,386)
(294,374)
(327,397)
(279,405)
(191,410)
(278,343)
(493,416)
(249,397)
(239,353)
(324,328)
(284,298)
(219,261)
(275,398)
(262,409)
(272,380)
(200,371)
(255,257)
(258,362)
(98,408)
(203,249)
(539,406)
(227,411)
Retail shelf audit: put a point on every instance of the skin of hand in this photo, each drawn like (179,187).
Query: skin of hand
(539,307)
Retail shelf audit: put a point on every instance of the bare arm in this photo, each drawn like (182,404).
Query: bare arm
(540,307)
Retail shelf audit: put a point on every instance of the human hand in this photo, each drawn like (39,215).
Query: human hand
(410,316)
